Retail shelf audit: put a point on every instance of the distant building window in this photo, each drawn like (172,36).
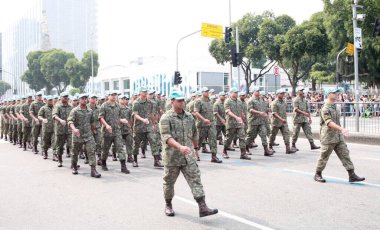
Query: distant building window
(127,84)
(106,86)
(116,85)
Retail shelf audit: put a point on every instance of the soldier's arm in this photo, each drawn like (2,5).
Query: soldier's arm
(195,137)
(31,112)
(197,108)
(135,109)
(168,138)
(296,105)
(251,109)
(215,109)
(228,112)
(275,112)
(56,114)
(102,113)
(41,114)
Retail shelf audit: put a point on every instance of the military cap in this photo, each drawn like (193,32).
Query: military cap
(212,90)
(279,91)
(151,91)
(83,95)
(234,90)
(193,91)
(213,97)
(300,88)
(331,90)
(64,94)
(177,95)
(92,96)
(205,89)
(222,93)
(48,97)
(39,93)
(143,89)
(122,96)
(241,93)
(29,95)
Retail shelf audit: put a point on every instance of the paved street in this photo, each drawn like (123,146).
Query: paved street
(264,193)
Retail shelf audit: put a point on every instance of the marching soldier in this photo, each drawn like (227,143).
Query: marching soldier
(332,138)
(27,120)
(302,119)
(12,113)
(81,122)
(97,131)
(219,112)
(19,120)
(6,119)
(203,110)
(279,121)
(234,124)
(180,138)
(45,115)
(36,125)
(126,131)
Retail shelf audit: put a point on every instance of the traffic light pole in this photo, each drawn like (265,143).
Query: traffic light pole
(237,51)
(356,67)
(337,64)
(178,45)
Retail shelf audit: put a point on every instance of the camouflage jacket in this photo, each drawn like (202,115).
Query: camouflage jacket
(278,107)
(190,106)
(35,108)
(25,112)
(96,111)
(245,109)
(18,112)
(218,108)
(258,104)
(111,114)
(12,112)
(61,111)
(126,113)
(180,127)
(329,113)
(144,109)
(301,104)
(83,119)
(168,105)
(235,107)
(204,107)
(47,113)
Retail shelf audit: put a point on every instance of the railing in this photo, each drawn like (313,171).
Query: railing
(369,116)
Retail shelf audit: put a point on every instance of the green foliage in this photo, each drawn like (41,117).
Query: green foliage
(74,91)
(4,87)
(33,75)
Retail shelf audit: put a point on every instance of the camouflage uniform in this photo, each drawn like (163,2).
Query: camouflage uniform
(190,106)
(180,127)
(111,114)
(98,133)
(168,105)
(332,139)
(62,133)
(26,126)
(234,129)
(36,128)
(46,112)
(206,132)
(126,131)
(6,121)
(218,108)
(256,123)
(144,109)
(12,112)
(279,107)
(299,120)
(83,120)
(19,123)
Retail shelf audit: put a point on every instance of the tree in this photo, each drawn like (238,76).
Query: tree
(249,46)
(74,69)
(53,68)
(4,87)
(87,67)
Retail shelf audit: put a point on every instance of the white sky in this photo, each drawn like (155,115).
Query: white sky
(128,29)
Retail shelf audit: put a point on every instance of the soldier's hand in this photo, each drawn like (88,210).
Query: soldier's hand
(26,121)
(45,121)
(124,121)
(37,121)
(310,121)
(63,122)
(207,122)
(284,121)
(185,150)
(223,121)
(146,121)
(109,129)
(76,132)
(345,132)
(263,114)
(239,120)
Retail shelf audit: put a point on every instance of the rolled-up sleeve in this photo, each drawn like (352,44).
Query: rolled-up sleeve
(326,116)
(165,129)
(71,118)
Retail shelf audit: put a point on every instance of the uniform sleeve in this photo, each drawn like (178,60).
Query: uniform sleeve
(56,111)
(197,106)
(102,112)
(165,129)
(227,106)
(195,136)
(215,108)
(41,113)
(274,107)
(31,109)
(92,118)
(326,116)
(296,104)
(135,108)
(71,118)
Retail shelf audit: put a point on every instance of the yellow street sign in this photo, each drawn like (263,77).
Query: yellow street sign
(212,31)
(350,49)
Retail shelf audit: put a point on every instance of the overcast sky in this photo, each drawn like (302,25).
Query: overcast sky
(129,29)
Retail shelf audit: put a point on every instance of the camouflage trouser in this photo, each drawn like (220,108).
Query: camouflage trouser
(6,129)
(14,132)
(47,138)
(10,130)
(26,130)
(245,130)
(255,130)
(284,131)
(53,143)
(158,140)
(192,175)
(220,129)
(341,151)
(237,133)
(138,138)
(89,148)
(36,130)
(128,140)
(118,142)
(306,129)
(60,141)
(267,125)
(98,142)
(209,133)
(2,127)
(19,132)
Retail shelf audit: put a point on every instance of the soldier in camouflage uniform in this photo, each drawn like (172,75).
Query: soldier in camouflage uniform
(81,122)
(36,125)
(27,121)
(302,119)
(12,113)
(19,120)
(144,113)
(97,131)
(206,123)
(109,116)
(279,121)
(62,132)
(126,130)
(332,138)
(45,115)
(6,118)
(242,98)
(234,124)
(190,103)
(179,138)
(220,115)
(2,119)
(257,116)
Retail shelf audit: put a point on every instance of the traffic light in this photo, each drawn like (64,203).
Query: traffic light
(227,34)
(177,78)
(376,30)
(339,77)
(236,58)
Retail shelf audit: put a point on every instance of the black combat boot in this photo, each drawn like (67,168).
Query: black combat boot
(25,146)
(267,151)
(254,145)
(230,149)
(294,146)
(224,154)
(169,208)
(35,149)
(157,162)
(205,150)
(59,160)
(81,155)
(247,150)
(114,158)
(95,173)
(104,165)
(130,158)
(143,153)
(275,144)
(68,153)
(313,146)
(271,148)
(215,159)
(203,209)
(243,155)
(353,177)
(86,161)
(135,164)
(124,167)
(289,150)
(45,154)
(318,177)
(74,168)
(55,157)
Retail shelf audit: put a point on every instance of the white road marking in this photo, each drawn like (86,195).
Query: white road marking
(228,215)
(331,177)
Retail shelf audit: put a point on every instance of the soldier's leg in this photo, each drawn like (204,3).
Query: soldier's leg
(76,148)
(285,133)
(170,177)
(202,131)
(296,131)
(307,130)
(59,143)
(219,133)
(118,143)
(344,155)
(240,135)
(192,175)
(128,144)
(137,138)
(53,144)
(231,133)
(107,142)
(212,139)
(151,137)
(326,151)
(69,144)
(262,131)
(90,149)
(273,135)
(250,135)
(14,133)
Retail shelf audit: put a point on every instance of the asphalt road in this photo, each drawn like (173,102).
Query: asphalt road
(264,193)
